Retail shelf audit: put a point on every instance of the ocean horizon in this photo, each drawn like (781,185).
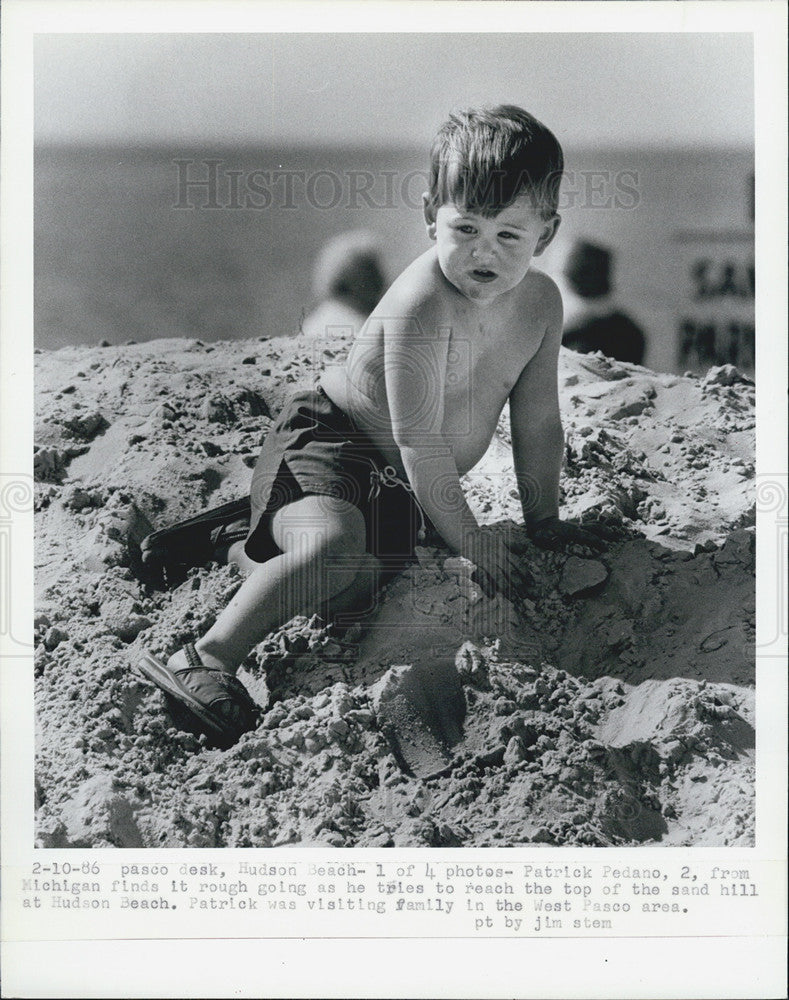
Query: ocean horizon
(219,243)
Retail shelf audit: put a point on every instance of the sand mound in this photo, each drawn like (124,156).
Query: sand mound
(618,708)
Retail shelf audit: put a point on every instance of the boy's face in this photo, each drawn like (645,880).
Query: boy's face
(483,257)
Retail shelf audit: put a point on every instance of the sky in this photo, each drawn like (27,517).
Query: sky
(378,89)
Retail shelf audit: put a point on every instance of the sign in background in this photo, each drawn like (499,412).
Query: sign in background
(715,309)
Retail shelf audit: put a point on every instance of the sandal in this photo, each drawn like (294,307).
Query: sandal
(215,698)
(167,555)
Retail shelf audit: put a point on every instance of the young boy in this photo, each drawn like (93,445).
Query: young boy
(353,469)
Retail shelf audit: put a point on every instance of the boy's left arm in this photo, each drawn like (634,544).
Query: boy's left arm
(538,445)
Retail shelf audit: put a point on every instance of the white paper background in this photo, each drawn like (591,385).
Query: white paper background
(749,964)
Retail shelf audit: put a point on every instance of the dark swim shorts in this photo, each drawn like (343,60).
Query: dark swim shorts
(314,449)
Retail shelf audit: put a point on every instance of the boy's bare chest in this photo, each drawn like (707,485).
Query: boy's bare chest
(480,375)
(484,365)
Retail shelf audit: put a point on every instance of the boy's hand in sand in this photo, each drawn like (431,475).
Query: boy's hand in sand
(553,533)
(499,567)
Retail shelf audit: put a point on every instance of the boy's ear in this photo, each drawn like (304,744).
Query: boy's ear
(430,215)
(549,231)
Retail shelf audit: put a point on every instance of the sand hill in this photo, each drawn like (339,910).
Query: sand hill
(617,709)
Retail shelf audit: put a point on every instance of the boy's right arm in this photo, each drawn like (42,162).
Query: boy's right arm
(415,361)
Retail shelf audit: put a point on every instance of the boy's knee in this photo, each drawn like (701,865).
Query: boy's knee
(343,532)
(334,527)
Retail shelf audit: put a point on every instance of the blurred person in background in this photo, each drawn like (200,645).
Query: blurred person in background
(348,282)
(592,321)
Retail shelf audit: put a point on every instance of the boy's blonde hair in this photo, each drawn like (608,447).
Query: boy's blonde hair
(483,159)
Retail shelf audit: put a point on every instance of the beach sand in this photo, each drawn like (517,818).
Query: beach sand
(617,708)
